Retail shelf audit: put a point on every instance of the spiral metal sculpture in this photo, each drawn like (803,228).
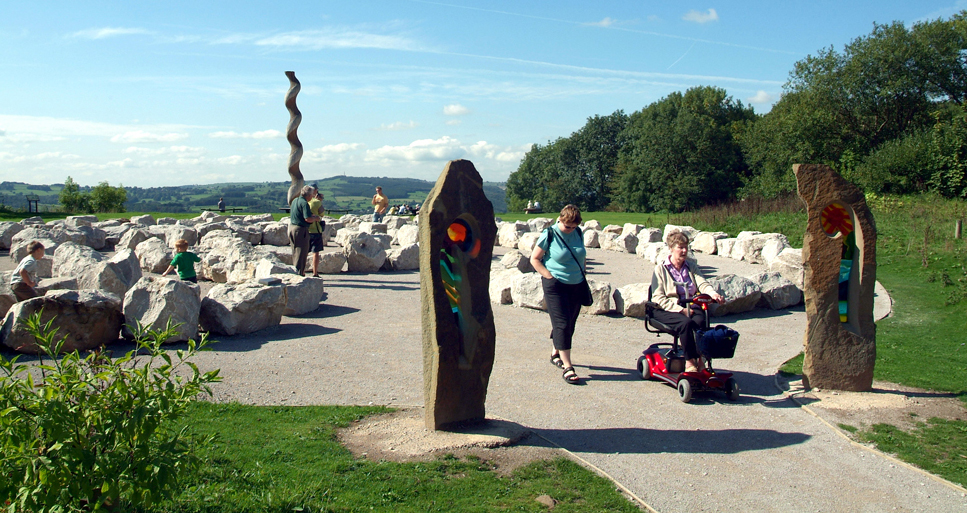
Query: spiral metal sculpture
(290,102)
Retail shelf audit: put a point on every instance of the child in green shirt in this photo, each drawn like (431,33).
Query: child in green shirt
(183,262)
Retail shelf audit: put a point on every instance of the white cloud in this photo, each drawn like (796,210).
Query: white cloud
(455,109)
(482,149)
(445,148)
(452,122)
(761,97)
(701,17)
(605,22)
(338,37)
(141,136)
(332,153)
(399,125)
(172,150)
(102,33)
(263,134)
(232,160)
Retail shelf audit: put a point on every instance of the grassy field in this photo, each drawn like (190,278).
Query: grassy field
(287,459)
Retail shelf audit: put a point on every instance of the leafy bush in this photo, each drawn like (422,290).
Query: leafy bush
(92,433)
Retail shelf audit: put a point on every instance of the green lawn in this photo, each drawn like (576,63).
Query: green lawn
(282,458)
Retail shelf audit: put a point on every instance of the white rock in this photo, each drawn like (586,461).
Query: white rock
(606,239)
(528,240)
(76,221)
(132,238)
(153,301)
(593,224)
(635,229)
(526,291)
(86,319)
(510,233)
(364,253)
(590,238)
(725,246)
(266,267)
(633,299)
(166,221)
(373,228)
(648,235)
(302,294)
(788,263)
(539,224)
(145,220)
(741,294)
(749,249)
(613,228)
(259,218)
(404,258)
(602,297)
(7,231)
(625,243)
(516,260)
(332,263)
(777,292)
(18,250)
(408,234)
(176,232)
(154,255)
(499,287)
(771,249)
(689,231)
(231,309)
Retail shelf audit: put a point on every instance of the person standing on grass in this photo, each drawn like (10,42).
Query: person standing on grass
(221,206)
(183,262)
(315,242)
(301,218)
(559,256)
(24,279)
(381,203)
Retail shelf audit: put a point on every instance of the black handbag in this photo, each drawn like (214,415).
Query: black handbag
(584,291)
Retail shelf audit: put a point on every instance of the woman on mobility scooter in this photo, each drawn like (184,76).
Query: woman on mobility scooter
(674,279)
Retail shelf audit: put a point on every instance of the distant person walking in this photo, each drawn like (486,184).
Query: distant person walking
(301,218)
(382,203)
(221,206)
(24,279)
(183,262)
(315,241)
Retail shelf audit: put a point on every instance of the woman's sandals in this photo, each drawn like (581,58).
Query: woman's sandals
(556,361)
(570,376)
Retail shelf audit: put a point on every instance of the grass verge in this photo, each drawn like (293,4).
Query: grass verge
(287,459)
(938,446)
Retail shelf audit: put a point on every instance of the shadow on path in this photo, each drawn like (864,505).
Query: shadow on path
(651,441)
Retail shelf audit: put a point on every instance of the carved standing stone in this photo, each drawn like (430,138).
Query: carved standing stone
(457,232)
(840,235)
(291,103)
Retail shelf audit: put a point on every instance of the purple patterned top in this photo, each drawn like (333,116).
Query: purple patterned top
(682,278)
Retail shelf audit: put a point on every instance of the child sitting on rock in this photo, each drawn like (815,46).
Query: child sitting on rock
(24,278)
(183,262)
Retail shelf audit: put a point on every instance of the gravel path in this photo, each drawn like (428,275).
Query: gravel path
(760,453)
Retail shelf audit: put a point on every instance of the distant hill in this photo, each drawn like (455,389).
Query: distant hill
(340,192)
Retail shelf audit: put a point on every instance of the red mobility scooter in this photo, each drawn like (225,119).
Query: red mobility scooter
(665,361)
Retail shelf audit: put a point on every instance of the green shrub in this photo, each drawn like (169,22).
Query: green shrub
(91,433)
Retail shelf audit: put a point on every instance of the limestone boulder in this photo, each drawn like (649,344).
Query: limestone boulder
(343,235)
(270,266)
(64,234)
(777,292)
(71,259)
(176,232)
(32,220)
(788,263)
(408,234)
(395,222)
(526,291)
(539,224)
(166,221)
(350,220)
(707,242)
(689,231)
(332,263)
(7,231)
(516,260)
(650,235)
(590,238)
(613,228)
(625,243)
(154,301)
(747,233)
(231,309)
(259,218)
(6,301)
(632,300)
(509,234)
(771,249)
(19,248)
(528,240)
(364,253)
(404,258)
(373,228)
(32,232)
(154,255)
(86,319)
(113,234)
(654,251)
(499,289)
(302,294)
(128,267)
(144,220)
(602,298)
(635,229)
(56,283)
(725,246)
(384,239)
(282,253)
(741,295)
(202,230)
(606,239)
(78,221)
(132,238)
(749,249)
(275,234)
(593,224)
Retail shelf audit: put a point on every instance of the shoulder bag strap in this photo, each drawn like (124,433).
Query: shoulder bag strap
(557,234)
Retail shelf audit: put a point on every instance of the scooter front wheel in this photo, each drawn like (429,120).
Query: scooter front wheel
(684,390)
(731,389)
(643,365)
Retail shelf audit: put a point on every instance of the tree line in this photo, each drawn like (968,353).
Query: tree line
(888,113)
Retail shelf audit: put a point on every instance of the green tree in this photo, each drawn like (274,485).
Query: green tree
(72,199)
(105,198)
(679,153)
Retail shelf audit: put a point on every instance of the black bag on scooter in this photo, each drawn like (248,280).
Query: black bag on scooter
(717,342)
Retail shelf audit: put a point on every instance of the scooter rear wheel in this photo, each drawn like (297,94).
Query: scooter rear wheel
(684,390)
(731,389)
(643,365)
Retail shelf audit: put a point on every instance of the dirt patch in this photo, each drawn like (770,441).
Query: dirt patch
(887,403)
(401,436)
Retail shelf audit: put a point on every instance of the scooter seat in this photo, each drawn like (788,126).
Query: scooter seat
(666,328)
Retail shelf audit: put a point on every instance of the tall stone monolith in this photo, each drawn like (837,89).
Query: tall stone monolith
(457,233)
(840,265)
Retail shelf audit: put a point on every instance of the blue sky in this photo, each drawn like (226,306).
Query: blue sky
(173,93)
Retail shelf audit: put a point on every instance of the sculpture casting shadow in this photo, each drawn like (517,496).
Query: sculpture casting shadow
(654,441)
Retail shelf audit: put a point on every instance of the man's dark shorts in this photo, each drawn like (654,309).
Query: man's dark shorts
(315,244)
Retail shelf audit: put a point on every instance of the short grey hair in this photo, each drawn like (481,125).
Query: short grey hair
(676,238)
(306,191)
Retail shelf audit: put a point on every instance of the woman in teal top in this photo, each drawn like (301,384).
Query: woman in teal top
(559,256)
